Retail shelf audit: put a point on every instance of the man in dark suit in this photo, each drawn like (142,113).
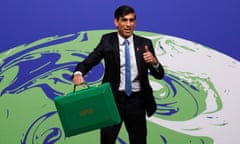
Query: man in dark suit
(139,101)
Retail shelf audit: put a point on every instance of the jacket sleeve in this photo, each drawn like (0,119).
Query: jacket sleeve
(156,72)
(91,60)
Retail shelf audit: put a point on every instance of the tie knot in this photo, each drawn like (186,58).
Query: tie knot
(126,42)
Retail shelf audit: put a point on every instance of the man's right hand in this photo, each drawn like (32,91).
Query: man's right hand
(78,79)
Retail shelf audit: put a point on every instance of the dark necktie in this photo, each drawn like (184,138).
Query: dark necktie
(128,87)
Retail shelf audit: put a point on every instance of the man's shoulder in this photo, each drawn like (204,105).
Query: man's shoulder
(110,34)
(141,38)
(109,37)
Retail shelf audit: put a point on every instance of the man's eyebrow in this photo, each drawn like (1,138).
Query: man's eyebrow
(125,19)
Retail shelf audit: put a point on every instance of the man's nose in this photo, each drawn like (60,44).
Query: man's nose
(128,22)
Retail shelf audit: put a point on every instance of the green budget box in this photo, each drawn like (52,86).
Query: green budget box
(87,109)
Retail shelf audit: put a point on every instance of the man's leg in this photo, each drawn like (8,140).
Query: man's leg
(137,131)
(109,134)
(135,120)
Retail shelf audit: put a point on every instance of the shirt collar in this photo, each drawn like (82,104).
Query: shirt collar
(121,39)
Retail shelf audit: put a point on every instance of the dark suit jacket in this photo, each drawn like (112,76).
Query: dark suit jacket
(108,49)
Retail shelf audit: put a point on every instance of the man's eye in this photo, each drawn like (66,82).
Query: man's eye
(130,20)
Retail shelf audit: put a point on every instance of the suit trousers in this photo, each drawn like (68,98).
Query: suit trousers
(132,113)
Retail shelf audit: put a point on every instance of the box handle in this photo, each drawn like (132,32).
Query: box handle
(83,84)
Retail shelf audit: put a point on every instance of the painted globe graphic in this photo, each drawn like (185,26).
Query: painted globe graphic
(196,100)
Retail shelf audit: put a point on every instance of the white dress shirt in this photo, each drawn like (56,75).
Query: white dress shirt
(134,69)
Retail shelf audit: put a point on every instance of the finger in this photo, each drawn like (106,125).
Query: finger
(77,80)
(146,48)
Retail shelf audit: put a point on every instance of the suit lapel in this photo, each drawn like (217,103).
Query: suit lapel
(138,53)
(115,44)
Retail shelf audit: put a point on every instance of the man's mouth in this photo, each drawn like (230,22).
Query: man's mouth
(127,30)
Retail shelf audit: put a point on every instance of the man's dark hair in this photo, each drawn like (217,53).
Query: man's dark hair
(122,11)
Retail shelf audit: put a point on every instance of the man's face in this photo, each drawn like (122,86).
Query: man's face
(126,25)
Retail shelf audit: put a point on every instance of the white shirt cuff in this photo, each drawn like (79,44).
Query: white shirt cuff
(77,72)
(155,65)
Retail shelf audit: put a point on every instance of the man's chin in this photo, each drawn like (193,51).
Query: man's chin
(127,34)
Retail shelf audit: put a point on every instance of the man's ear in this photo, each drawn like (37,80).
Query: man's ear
(116,22)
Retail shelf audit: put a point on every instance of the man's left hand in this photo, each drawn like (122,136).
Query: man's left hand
(148,57)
